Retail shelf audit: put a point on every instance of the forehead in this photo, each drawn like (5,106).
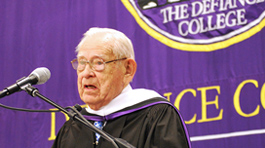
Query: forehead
(95,46)
(90,53)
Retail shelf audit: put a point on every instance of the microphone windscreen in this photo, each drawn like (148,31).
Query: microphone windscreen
(43,74)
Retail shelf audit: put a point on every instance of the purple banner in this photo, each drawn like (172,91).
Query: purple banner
(216,78)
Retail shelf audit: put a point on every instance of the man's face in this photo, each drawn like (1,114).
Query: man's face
(98,88)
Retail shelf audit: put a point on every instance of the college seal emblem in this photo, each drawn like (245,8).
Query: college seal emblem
(198,25)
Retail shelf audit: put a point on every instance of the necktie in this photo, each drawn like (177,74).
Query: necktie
(99,125)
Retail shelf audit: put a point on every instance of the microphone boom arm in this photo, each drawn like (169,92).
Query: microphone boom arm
(115,141)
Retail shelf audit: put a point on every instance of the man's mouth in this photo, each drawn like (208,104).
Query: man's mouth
(90,87)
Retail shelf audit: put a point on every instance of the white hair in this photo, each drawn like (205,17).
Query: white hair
(119,43)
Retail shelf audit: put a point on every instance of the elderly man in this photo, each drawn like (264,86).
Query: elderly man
(105,66)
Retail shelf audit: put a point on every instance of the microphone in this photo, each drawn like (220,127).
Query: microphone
(38,76)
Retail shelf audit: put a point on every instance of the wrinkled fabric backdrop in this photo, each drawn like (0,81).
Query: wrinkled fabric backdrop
(220,93)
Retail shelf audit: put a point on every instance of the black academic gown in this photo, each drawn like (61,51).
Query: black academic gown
(154,123)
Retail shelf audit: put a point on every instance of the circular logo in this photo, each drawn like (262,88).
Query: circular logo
(198,25)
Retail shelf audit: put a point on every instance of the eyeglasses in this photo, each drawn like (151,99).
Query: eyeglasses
(96,64)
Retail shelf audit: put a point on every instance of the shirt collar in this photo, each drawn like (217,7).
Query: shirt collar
(128,97)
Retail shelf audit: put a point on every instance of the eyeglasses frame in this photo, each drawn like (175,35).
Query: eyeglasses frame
(92,66)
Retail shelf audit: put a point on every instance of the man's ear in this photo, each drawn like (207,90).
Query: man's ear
(130,66)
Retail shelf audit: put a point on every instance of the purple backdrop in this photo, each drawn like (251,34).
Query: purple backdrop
(221,93)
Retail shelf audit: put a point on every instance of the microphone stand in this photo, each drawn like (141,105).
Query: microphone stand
(117,142)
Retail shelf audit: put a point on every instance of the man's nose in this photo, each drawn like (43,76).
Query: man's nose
(88,71)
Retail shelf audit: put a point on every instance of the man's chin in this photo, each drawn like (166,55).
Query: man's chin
(89,100)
